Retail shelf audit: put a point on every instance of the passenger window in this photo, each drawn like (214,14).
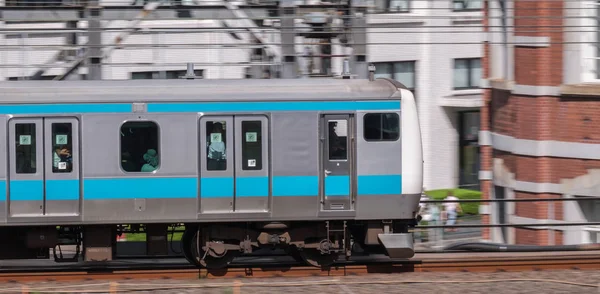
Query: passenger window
(139,146)
(62,148)
(25,148)
(381,126)
(216,143)
(338,139)
(251,145)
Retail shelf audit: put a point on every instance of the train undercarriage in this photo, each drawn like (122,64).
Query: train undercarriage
(215,245)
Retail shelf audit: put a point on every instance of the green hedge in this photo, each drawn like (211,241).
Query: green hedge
(462,194)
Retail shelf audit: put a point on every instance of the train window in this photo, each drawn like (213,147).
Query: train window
(381,126)
(62,148)
(338,139)
(251,145)
(25,148)
(139,146)
(216,143)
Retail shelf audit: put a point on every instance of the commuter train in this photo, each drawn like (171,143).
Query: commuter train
(317,167)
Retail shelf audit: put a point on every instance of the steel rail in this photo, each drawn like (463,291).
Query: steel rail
(441,262)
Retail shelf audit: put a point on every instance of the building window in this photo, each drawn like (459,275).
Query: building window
(467,5)
(469,156)
(381,126)
(402,71)
(139,146)
(467,73)
(398,6)
(161,75)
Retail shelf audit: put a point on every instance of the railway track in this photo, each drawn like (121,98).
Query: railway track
(432,262)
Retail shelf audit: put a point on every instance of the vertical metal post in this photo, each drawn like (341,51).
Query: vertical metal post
(550,218)
(505,36)
(289,68)
(358,31)
(94,58)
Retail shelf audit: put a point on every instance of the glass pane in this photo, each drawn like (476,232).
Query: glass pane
(251,145)
(381,126)
(399,5)
(216,142)
(338,138)
(475,72)
(25,148)
(461,74)
(62,148)
(404,72)
(470,126)
(139,147)
(474,4)
(383,70)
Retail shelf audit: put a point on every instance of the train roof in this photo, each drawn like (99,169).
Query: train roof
(196,90)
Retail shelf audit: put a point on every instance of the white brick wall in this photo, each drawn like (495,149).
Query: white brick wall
(434,65)
(434,79)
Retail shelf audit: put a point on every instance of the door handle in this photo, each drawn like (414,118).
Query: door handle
(327,172)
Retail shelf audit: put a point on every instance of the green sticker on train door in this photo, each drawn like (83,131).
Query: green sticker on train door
(62,140)
(215,137)
(25,140)
(251,137)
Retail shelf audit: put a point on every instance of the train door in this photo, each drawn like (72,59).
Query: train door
(44,167)
(337,147)
(234,161)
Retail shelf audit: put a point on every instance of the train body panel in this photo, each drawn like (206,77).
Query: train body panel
(83,153)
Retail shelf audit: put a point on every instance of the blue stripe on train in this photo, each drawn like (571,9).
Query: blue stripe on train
(129,188)
(66,108)
(337,186)
(33,190)
(203,107)
(379,184)
(274,106)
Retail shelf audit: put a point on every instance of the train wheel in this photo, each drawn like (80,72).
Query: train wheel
(214,259)
(315,258)
(189,237)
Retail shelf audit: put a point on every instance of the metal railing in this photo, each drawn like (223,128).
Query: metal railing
(576,224)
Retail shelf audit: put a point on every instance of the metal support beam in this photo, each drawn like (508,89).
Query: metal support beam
(94,53)
(63,14)
(358,63)
(289,66)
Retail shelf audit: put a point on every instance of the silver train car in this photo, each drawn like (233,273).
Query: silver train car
(317,167)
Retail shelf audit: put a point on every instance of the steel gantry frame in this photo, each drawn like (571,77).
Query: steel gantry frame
(283,55)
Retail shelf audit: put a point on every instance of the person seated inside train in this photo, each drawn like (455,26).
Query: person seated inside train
(151,159)
(217,159)
(62,159)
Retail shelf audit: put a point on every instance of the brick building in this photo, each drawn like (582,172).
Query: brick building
(539,136)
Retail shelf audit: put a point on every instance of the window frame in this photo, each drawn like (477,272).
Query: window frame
(399,135)
(469,61)
(53,145)
(454,9)
(158,146)
(163,75)
(244,163)
(393,64)
(389,9)
(35,149)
